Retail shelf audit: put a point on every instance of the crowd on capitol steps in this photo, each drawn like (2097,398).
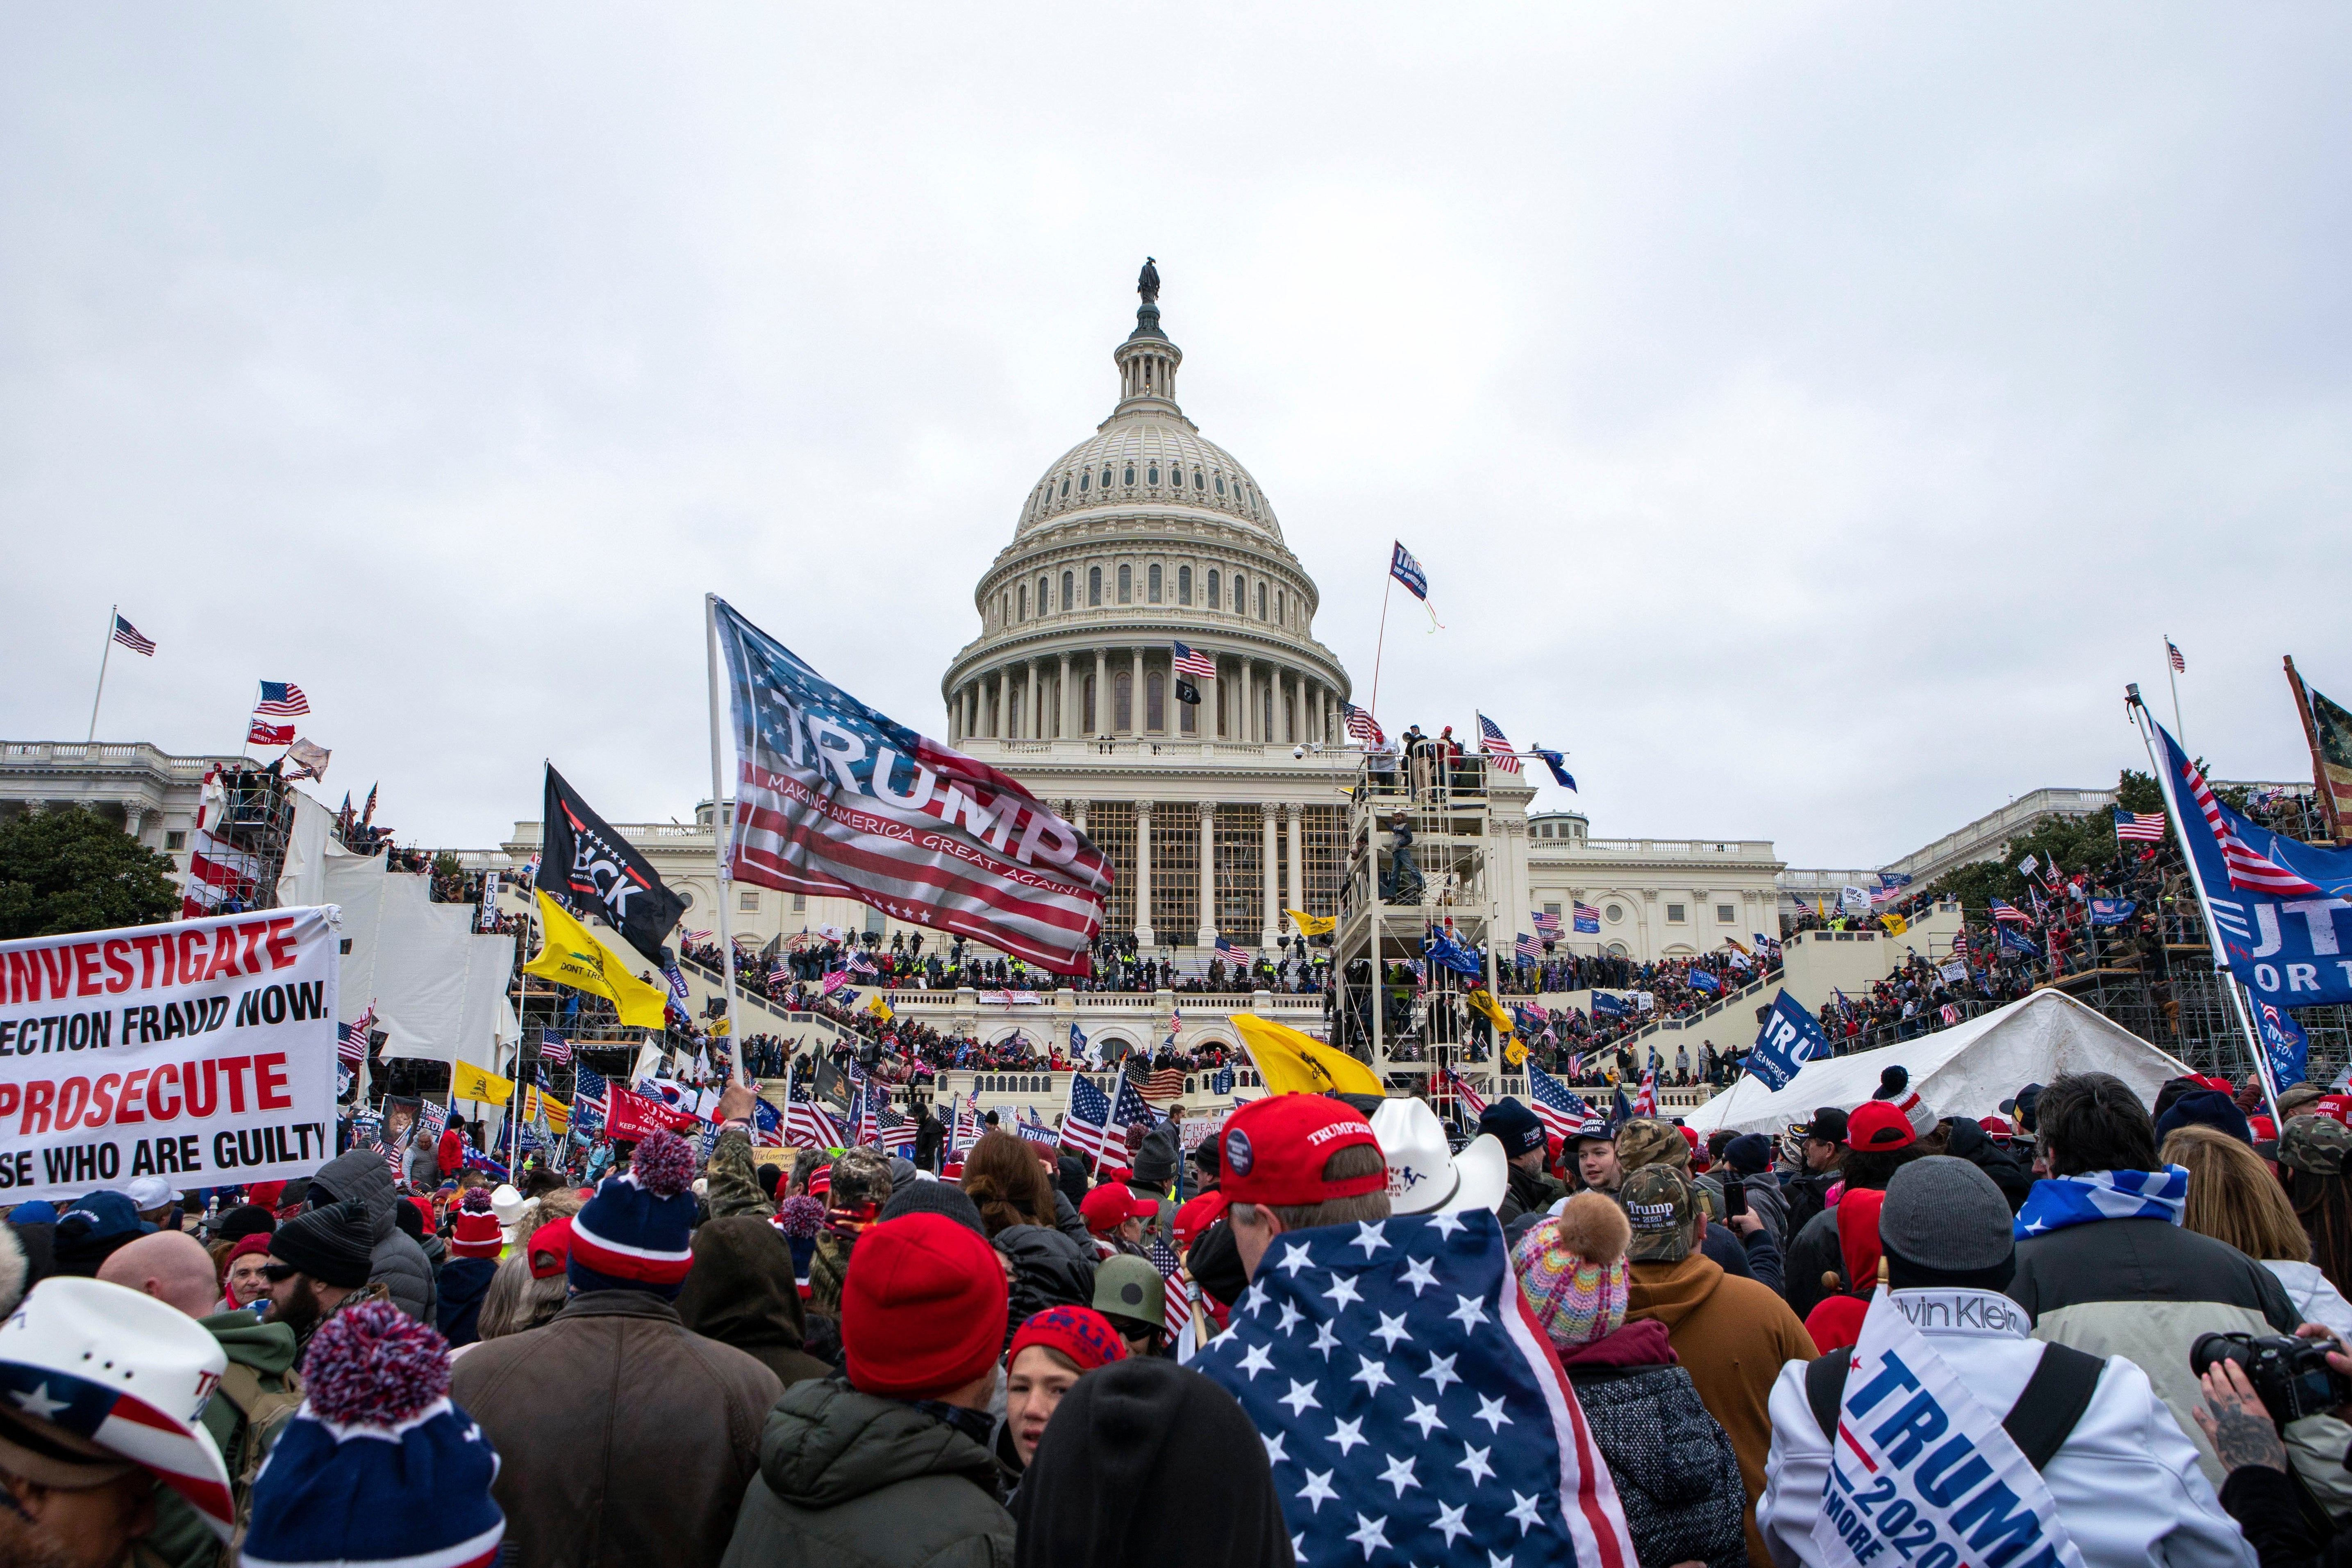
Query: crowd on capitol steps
(1327,1335)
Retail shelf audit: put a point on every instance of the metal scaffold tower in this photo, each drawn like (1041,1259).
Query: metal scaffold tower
(254,825)
(1419,861)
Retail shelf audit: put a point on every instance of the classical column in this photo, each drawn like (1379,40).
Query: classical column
(1134,694)
(1065,727)
(1143,935)
(1297,882)
(1247,729)
(1284,692)
(1271,856)
(1037,725)
(1003,726)
(1102,694)
(1207,936)
(969,699)
(1078,813)
(133,815)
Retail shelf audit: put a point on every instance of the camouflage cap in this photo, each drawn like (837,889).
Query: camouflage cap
(860,1176)
(1660,1205)
(1646,1140)
(2315,1143)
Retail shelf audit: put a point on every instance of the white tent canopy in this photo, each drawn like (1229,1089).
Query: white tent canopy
(438,989)
(1966,1070)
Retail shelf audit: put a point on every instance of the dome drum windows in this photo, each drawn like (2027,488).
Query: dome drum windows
(1151,585)
(1261,599)
(1183,584)
(1094,586)
(1126,585)
(1023,603)
(1151,474)
(1068,583)
(1131,474)
(1211,600)
(1044,594)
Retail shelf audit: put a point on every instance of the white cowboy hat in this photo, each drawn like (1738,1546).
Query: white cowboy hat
(1424,1176)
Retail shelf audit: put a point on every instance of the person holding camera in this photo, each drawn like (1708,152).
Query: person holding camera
(2243,1421)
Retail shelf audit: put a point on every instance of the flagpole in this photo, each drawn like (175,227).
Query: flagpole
(2205,908)
(719,826)
(2172,679)
(106,651)
(1388,586)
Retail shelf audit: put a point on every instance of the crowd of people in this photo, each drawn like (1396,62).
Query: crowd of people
(708,1358)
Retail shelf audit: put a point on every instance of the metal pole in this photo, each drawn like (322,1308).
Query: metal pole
(1388,586)
(2172,679)
(719,826)
(2205,908)
(105,652)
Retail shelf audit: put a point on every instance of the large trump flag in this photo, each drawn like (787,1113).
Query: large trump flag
(836,799)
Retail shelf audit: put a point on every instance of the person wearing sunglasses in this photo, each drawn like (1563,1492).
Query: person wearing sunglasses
(317,1261)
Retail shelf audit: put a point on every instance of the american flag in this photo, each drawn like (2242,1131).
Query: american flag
(1381,1335)
(1454,1083)
(1950,1013)
(1187,662)
(1129,1108)
(2003,911)
(1497,750)
(1529,948)
(896,1132)
(808,1125)
(1560,1112)
(1587,918)
(1960,942)
(128,636)
(1646,1098)
(1231,954)
(352,1039)
(1178,1305)
(778,973)
(2173,653)
(588,1089)
(767,1125)
(865,1126)
(967,1125)
(1168,1083)
(555,1048)
(1086,1124)
(282,699)
(1362,728)
(1547,925)
(2253,872)
(697,937)
(860,964)
(910,827)
(1407,570)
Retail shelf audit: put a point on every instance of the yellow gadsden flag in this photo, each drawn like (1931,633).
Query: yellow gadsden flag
(468,1081)
(1312,925)
(1293,1063)
(574,956)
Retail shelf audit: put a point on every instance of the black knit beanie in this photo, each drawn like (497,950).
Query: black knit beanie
(331,1244)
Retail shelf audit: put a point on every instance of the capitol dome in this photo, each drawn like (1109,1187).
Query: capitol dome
(1142,536)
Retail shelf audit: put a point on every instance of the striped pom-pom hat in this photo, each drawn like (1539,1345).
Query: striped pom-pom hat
(377,1466)
(634,1234)
(475,1232)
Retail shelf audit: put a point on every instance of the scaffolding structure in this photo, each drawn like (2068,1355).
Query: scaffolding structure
(252,827)
(1419,861)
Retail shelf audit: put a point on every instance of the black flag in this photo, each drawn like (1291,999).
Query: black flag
(1187,692)
(581,858)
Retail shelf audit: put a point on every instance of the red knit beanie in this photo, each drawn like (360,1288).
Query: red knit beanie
(475,1232)
(922,1309)
(1081,1333)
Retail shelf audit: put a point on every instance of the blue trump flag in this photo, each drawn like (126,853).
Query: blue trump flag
(1607,1006)
(1790,1038)
(1408,1339)
(1704,980)
(1559,766)
(2285,1043)
(2277,903)
(2112,911)
(1442,949)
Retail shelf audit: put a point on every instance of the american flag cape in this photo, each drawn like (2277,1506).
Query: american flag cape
(1408,1338)
(1560,1112)
(837,799)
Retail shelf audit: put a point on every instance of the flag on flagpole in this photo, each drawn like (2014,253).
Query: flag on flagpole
(1557,764)
(555,1048)
(1086,1124)
(1188,661)
(2179,665)
(2142,825)
(1588,920)
(1407,570)
(128,636)
(1362,728)
(1494,747)
(282,699)
(1547,924)
(257,733)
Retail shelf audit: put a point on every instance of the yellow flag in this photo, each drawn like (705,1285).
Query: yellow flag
(1483,1001)
(1895,924)
(723,1027)
(1312,925)
(575,956)
(1515,1051)
(468,1081)
(880,1007)
(1736,946)
(1293,1063)
(559,1115)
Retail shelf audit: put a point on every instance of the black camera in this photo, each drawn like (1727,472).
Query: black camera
(2292,1375)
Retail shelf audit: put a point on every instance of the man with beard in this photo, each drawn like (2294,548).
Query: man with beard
(317,1261)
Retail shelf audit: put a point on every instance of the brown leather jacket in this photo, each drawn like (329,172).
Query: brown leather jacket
(622,1439)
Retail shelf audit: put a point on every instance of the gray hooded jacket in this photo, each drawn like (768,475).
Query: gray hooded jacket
(397,1262)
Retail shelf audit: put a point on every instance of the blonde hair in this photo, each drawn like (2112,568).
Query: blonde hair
(515,1302)
(2233,1197)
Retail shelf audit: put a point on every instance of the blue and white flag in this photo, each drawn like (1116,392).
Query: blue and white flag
(1443,949)
(1559,766)
(1704,980)
(1920,1465)
(1790,1038)
(1407,570)
(1408,1338)
(1222,1083)
(2278,903)
(2285,1043)
(1607,1004)
(2024,946)
(2112,911)
(2056,1202)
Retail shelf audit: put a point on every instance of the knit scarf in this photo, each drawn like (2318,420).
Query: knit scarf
(2061,1201)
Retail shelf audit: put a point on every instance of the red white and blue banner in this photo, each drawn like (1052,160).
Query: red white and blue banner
(1920,1466)
(836,799)
(203,1051)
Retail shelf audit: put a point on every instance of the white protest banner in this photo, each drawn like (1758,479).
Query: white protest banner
(1920,1466)
(201,1051)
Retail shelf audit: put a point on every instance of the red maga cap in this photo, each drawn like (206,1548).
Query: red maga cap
(1109,1206)
(1877,1125)
(1198,1216)
(1275,1151)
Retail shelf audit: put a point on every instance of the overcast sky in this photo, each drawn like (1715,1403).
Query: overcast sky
(1810,415)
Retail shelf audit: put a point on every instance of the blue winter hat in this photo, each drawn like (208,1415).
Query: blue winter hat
(2206,1107)
(1514,1126)
(636,1233)
(37,1212)
(377,1466)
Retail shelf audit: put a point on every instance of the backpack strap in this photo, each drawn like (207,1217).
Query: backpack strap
(2052,1401)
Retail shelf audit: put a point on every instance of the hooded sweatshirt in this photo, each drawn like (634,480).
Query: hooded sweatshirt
(1733,1336)
(395,1261)
(460,1286)
(741,1292)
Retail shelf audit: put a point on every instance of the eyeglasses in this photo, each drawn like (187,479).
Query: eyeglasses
(277,1273)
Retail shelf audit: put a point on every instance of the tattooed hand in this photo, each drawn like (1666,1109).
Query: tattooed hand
(2237,1425)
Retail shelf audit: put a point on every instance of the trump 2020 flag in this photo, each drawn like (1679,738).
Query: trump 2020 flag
(1790,1037)
(1919,1465)
(836,799)
(1409,1404)
(2285,1044)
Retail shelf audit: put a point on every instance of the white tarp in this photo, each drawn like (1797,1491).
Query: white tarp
(438,987)
(1966,1070)
(302,880)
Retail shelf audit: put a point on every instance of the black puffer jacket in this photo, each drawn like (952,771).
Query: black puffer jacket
(1049,1270)
(1675,1470)
(847,1477)
(2008,1172)
(397,1262)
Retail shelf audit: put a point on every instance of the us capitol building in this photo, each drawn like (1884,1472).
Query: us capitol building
(1218,815)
